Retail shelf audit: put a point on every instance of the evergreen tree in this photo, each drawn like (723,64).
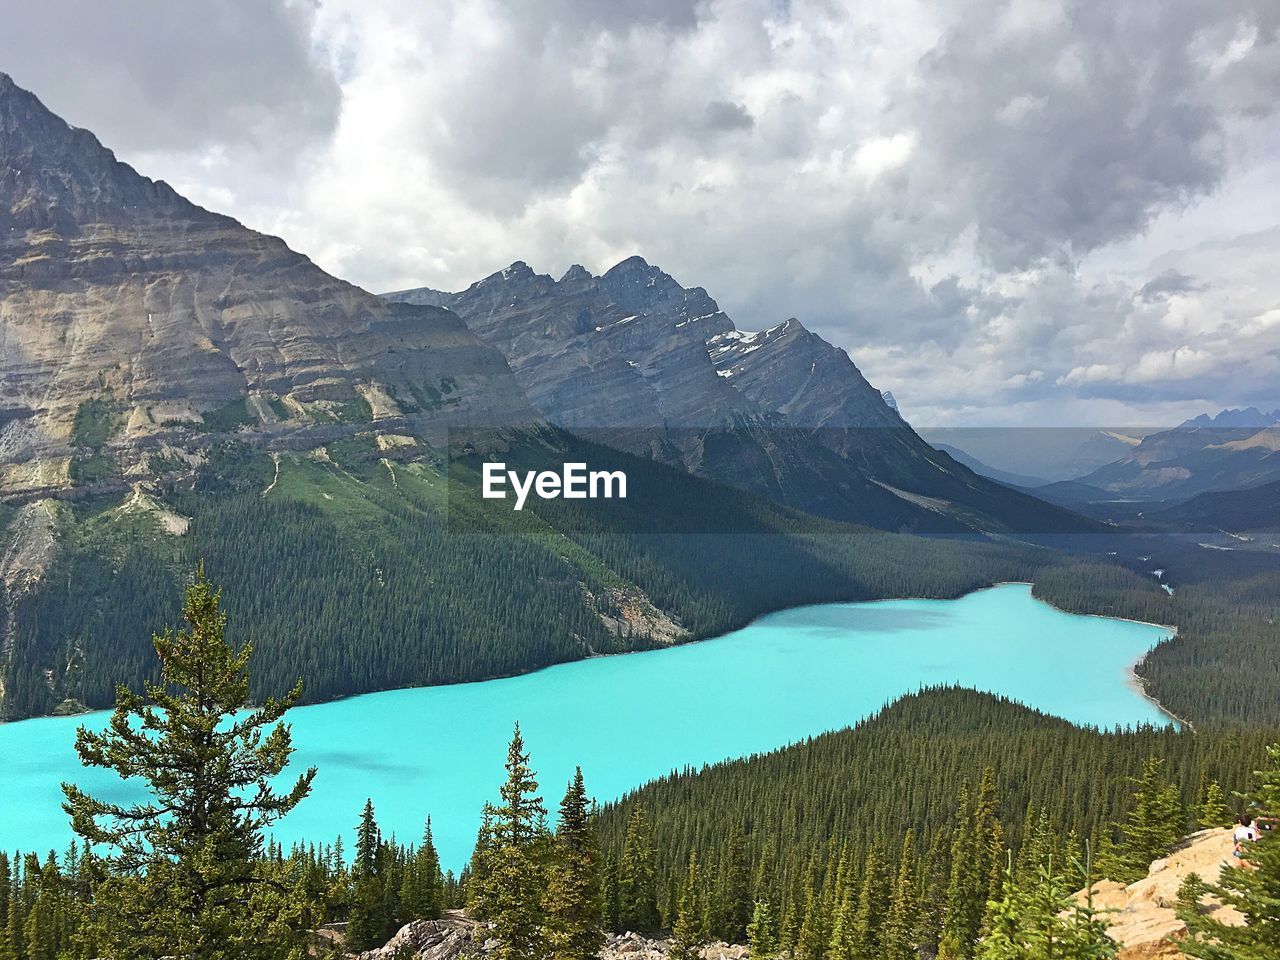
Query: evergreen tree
(935,872)
(508,892)
(762,934)
(6,878)
(1213,810)
(966,889)
(637,878)
(1252,890)
(844,943)
(610,894)
(432,905)
(899,939)
(574,895)
(1038,919)
(871,908)
(689,932)
(368,842)
(814,935)
(1155,823)
(733,903)
(371,919)
(184,876)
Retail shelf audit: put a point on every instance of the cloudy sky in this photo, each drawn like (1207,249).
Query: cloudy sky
(1008,211)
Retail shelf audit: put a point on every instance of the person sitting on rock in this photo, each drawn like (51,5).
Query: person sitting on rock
(1245,832)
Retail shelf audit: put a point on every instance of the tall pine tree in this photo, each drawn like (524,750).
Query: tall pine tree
(508,891)
(184,871)
(574,901)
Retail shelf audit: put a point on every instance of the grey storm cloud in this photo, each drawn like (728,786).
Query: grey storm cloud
(723,115)
(1060,130)
(1169,283)
(154,75)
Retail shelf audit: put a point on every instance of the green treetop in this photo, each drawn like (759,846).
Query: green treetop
(183,871)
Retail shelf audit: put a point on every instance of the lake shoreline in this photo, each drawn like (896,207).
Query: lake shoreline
(1134,680)
(812,671)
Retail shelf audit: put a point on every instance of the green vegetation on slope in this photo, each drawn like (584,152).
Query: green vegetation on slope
(359,572)
(952,825)
(930,766)
(365,568)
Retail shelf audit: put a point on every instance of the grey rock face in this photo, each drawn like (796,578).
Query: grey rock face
(663,370)
(115,289)
(625,349)
(455,937)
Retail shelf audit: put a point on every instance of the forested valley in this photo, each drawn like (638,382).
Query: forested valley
(953,824)
(359,572)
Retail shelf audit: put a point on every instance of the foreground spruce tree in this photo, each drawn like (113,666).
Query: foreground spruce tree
(762,934)
(1036,918)
(184,875)
(371,920)
(574,901)
(688,934)
(1254,892)
(1156,822)
(512,864)
(637,878)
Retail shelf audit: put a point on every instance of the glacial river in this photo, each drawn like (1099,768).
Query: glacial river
(628,719)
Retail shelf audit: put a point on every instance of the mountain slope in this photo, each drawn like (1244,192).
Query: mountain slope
(1254,508)
(1055,453)
(985,470)
(638,361)
(178,389)
(133,322)
(1235,449)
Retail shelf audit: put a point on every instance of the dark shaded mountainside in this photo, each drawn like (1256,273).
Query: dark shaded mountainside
(177,388)
(1234,511)
(634,359)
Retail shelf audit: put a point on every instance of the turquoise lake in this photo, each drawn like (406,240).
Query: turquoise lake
(628,719)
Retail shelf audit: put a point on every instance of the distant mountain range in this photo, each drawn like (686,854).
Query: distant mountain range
(1249,417)
(1043,454)
(1233,450)
(647,365)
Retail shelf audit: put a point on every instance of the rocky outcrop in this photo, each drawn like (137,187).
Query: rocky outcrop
(131,318)
(457,938)
(1142,914)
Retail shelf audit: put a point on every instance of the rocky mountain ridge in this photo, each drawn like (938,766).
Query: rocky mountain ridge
(135,324)
(638,361)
